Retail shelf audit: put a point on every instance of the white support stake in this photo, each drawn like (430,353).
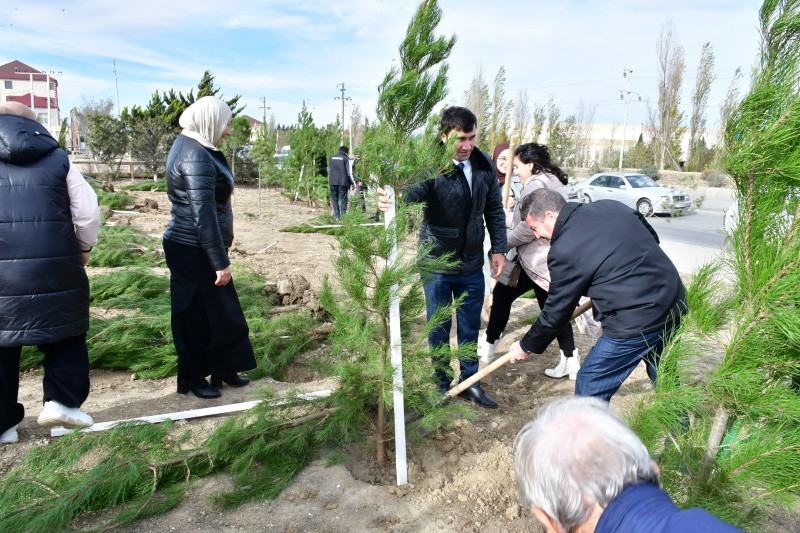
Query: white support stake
(397,355)
(192,413)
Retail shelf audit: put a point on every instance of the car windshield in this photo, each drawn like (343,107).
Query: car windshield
(640,181)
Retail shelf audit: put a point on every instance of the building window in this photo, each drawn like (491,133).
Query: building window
(42,118)
(9,84)
(52,86)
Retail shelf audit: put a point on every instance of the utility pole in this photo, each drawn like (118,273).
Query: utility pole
(343,99)
(116,84)
(625,74)
(626,96)
(264,106)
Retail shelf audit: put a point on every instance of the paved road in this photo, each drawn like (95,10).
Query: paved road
(692,239)
(701,228)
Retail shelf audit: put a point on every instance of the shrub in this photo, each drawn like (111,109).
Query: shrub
(715,177)
(649,169)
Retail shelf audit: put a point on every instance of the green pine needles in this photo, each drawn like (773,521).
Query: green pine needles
(725,418)
(98,481)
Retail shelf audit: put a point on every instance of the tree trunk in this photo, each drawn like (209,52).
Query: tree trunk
(714,440)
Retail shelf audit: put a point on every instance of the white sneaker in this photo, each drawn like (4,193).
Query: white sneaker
(567,366)
(9,436)
(56,414)
(486,350)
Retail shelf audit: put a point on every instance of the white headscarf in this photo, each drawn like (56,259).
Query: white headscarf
(206,120)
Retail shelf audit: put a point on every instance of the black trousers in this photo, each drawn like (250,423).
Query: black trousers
(66,377)
(502,298)
(209,330)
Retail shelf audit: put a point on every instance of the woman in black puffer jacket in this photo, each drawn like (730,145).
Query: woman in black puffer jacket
(208,326)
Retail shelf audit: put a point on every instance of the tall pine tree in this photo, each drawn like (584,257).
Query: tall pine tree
(727,397)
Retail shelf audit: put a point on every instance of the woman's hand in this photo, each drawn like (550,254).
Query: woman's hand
(223,276)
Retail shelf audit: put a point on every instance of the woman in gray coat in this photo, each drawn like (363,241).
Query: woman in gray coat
(535,170)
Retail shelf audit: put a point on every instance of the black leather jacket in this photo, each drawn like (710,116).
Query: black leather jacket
(199,185)
(454,218)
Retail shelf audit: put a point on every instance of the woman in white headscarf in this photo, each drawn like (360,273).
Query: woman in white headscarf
(208,327)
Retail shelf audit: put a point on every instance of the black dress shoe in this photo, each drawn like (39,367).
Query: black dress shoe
(230,378)
(476,394)
(200,389)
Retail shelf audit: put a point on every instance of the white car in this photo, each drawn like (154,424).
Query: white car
(637,191)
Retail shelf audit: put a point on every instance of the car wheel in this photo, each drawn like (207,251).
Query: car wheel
(644,207)
(585,199)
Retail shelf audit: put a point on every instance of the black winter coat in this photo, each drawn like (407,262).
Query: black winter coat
(199,185)
(608,252)
(44,291)
(454,219)
(339,170)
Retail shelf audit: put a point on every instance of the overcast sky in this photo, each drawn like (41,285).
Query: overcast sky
(295,50)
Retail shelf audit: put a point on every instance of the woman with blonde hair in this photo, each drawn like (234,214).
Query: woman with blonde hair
(208,327)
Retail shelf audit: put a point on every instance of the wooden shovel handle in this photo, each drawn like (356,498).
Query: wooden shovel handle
(509,170)
(467,383)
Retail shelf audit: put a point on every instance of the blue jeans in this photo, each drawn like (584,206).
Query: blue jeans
(611,361)
(339,200)
(441,290)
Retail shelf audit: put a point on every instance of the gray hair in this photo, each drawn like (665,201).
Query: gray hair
(576,453)
(539,202)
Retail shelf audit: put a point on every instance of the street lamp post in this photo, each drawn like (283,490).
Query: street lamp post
(625,74)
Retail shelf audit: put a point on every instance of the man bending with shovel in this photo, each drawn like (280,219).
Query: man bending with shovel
(608,252)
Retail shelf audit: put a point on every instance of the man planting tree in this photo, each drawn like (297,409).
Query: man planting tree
(608,252)
(456,204)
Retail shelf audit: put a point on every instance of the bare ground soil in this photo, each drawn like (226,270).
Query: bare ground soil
(460,479)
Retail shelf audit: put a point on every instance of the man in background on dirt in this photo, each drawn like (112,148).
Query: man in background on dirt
(602,481)
(49,221)
(340,180)
(608,252)
(456,205)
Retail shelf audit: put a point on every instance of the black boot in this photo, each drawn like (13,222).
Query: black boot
(200,388)
(230,378)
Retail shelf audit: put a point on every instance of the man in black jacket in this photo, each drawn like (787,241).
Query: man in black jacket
(340,180)
(608,252)
(456,205)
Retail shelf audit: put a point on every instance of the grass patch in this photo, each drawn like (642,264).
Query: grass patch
(147,185)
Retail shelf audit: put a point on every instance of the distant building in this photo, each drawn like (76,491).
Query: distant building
(37,90)
(600,142)
(603,137)
(255,128)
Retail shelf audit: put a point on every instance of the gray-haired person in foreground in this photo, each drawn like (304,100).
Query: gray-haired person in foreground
(579,468)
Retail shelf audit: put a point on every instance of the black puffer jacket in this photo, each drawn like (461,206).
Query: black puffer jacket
(199,185)
(44,292)
(454,218)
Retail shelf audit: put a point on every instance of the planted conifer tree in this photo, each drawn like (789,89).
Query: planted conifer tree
(394,153)
(727,398)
